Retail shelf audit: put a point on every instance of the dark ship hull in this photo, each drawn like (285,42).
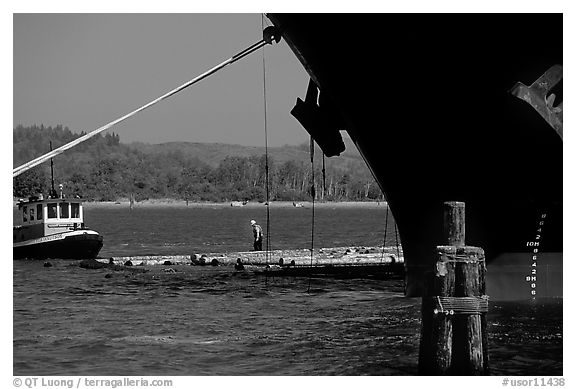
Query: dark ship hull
(426,100)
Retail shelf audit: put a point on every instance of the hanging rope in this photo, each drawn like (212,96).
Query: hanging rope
(385,232)
(323,175)
(267,178)
(397,240)
(270,34)
(313,193)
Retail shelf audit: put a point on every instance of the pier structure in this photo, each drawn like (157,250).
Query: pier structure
(454,338)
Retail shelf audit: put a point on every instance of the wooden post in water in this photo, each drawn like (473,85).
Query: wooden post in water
(453,338)
(131,200)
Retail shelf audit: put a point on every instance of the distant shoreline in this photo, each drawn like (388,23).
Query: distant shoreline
(251,204)
(273,204)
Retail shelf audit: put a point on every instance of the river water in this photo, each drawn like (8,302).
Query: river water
(215,321)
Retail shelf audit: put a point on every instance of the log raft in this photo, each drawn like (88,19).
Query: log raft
(336,256)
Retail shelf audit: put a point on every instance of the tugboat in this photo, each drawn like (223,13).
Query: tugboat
(54,228)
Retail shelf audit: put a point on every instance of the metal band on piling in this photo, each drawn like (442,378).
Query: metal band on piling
(471,305)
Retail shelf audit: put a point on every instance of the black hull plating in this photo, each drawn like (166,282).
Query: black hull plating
(426,100)
(72,247)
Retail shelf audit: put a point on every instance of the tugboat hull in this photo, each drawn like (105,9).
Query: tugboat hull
(74,245)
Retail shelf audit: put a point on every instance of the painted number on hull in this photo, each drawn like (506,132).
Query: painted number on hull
(534,260)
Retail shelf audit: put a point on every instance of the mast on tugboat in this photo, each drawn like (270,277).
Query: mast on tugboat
(52,193)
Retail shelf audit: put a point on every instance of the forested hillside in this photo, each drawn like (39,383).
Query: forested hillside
(103,169)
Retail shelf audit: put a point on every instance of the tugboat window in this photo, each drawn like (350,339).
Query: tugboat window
(75,210)
(52,211)
(31,213)
(24,213)
(64,211)
(39,212)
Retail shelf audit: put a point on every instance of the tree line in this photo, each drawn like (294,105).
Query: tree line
(103,169)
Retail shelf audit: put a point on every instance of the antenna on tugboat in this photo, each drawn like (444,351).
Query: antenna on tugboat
(269,34)
(52,190)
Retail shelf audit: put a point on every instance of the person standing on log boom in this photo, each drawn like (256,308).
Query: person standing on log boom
(257,235)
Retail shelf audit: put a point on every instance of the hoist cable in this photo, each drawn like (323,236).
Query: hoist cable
(266,40)
(267,177)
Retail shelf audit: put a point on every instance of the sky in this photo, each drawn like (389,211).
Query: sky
(85,70)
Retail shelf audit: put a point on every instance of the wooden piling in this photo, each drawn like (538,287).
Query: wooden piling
(436,331)
(454,227)
(453,338)
(467,351)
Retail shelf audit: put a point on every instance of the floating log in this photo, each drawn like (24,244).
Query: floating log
(94,264)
